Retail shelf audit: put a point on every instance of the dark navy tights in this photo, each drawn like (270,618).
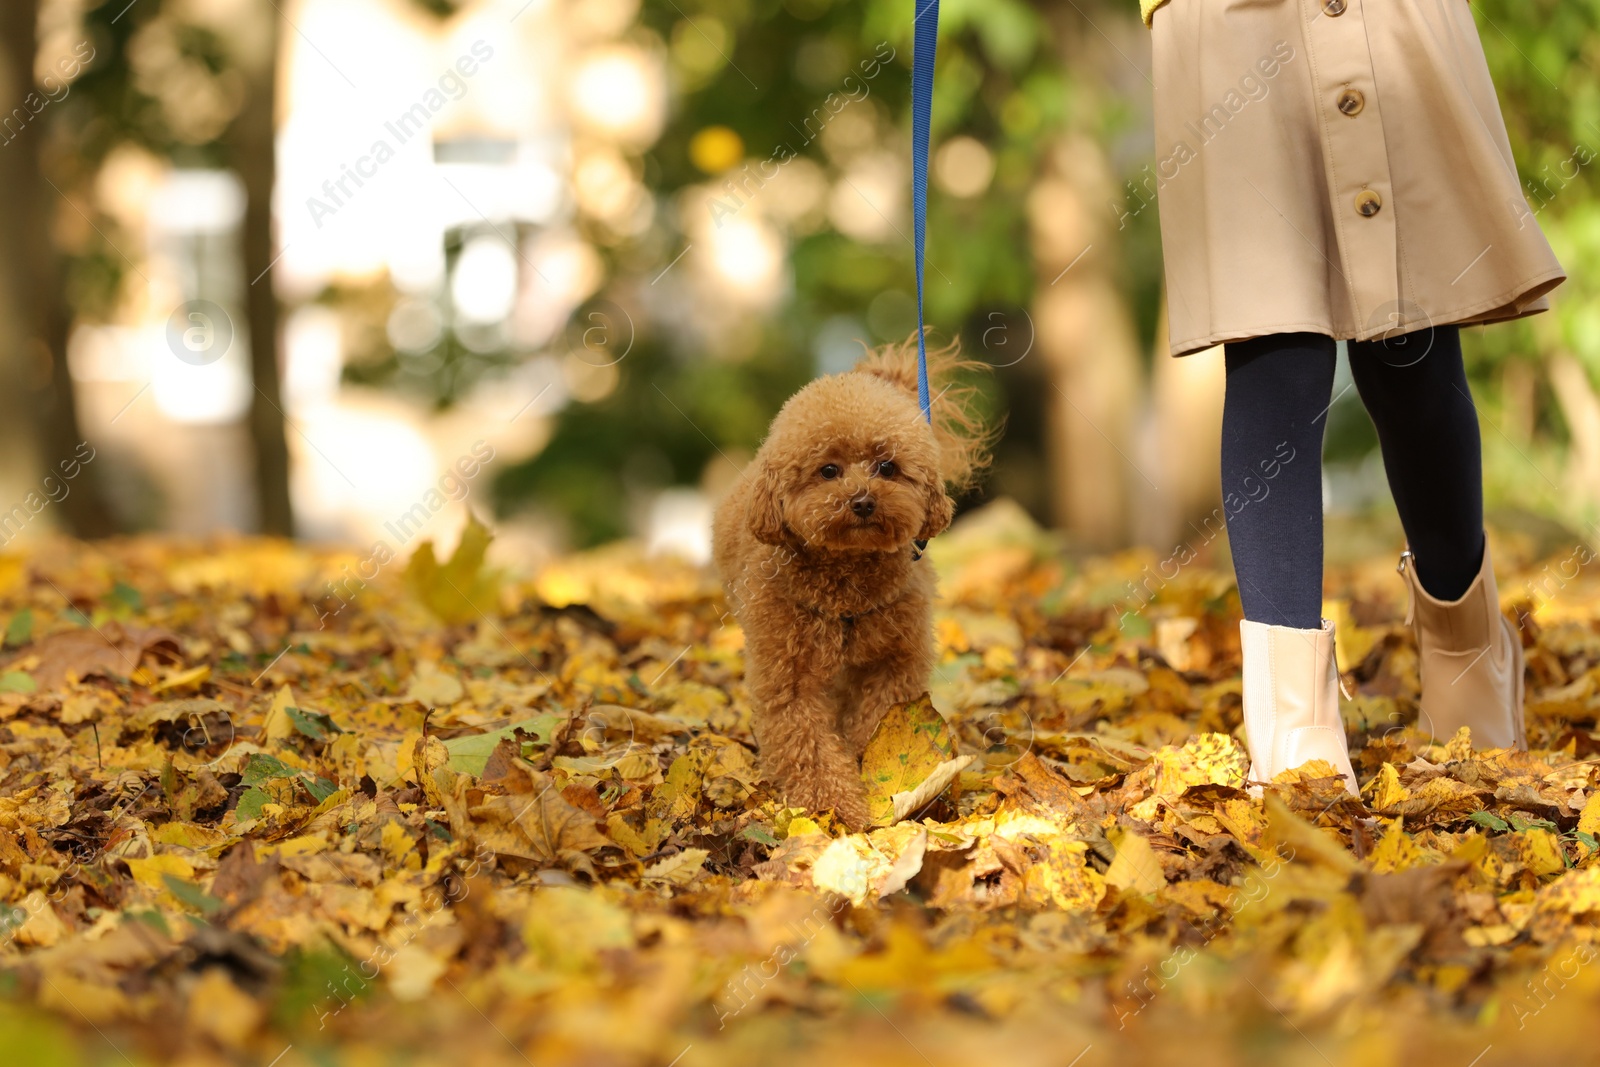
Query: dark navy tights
(1279,391)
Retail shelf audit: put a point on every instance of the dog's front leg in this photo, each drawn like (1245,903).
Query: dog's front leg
(892,663)
(796,723)
(876,689)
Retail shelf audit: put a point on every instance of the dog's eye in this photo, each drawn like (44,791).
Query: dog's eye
(887,469)
(830,471)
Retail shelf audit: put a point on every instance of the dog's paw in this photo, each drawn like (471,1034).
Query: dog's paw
(849,806)
(852,811)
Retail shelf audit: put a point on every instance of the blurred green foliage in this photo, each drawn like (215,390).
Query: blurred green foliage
(1001,81)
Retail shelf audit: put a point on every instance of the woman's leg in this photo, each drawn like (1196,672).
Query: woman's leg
(1470,656)
(1415,388)
(1272,420)
(1273,416)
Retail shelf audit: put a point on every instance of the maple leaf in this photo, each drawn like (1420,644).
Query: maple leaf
(461,589)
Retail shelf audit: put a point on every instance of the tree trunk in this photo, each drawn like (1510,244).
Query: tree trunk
(36,317)
(252,140)
(1086,337)
(1184,442)
(1581,408)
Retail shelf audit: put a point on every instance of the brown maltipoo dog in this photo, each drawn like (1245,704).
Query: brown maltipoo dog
(816,547)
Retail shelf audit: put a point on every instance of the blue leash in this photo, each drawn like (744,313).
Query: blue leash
(926,25)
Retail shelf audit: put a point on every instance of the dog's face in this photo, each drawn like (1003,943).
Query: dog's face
(849,466)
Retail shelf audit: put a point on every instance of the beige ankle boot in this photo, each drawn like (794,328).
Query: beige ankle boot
(1471,661)
(1291,700)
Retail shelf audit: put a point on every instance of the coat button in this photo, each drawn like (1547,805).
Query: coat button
(1368,203)
(1351,101)
(1333,7)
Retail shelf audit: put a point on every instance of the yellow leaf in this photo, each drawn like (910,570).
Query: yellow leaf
(461,589)
(1540,851)
(802,825)
(567,928)
(1576,893)
(1061,877)
(1135,865)
(678,798)
(188,835)
(907,747)
(1387,792)
(1206,759)
(183,679)
(1589,820)
(640,841)
(148,871)
(399,847)
(1284,827)
(1351,643)
(412,971)
(434,688)
(680,869)
(848,867)
(221,1010)
(304,845)
(279,726)
(909,803)
(1396,851)
(40,925)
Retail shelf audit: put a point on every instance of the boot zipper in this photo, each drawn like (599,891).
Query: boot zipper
(1408,561)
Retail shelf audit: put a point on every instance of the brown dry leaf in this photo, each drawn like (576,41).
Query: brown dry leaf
(111,649)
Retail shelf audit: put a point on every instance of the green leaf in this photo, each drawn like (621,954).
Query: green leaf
(469,754)
(1136,625)
(127,596)
(313,724)
(151,918)
(19,631)
(264,768)
(251,801)
(319,788)
(759,834)
(1490,821)
(1520,824)
(192,895)
(17,682)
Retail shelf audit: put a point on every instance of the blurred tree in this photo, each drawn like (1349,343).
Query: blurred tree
(251,141)
(194,86)
(1545,59)
(36,316)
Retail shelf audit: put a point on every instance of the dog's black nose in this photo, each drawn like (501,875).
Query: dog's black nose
(863,504)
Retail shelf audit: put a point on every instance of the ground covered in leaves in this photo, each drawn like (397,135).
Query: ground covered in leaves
(261,804)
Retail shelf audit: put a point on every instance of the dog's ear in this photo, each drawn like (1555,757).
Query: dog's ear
(764,512)
(941,509)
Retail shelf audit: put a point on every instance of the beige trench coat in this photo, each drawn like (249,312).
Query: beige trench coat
(1337,167)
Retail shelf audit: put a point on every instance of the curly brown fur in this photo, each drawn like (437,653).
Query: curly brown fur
(814,545)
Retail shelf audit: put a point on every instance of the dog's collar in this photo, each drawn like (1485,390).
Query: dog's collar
(918,547)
